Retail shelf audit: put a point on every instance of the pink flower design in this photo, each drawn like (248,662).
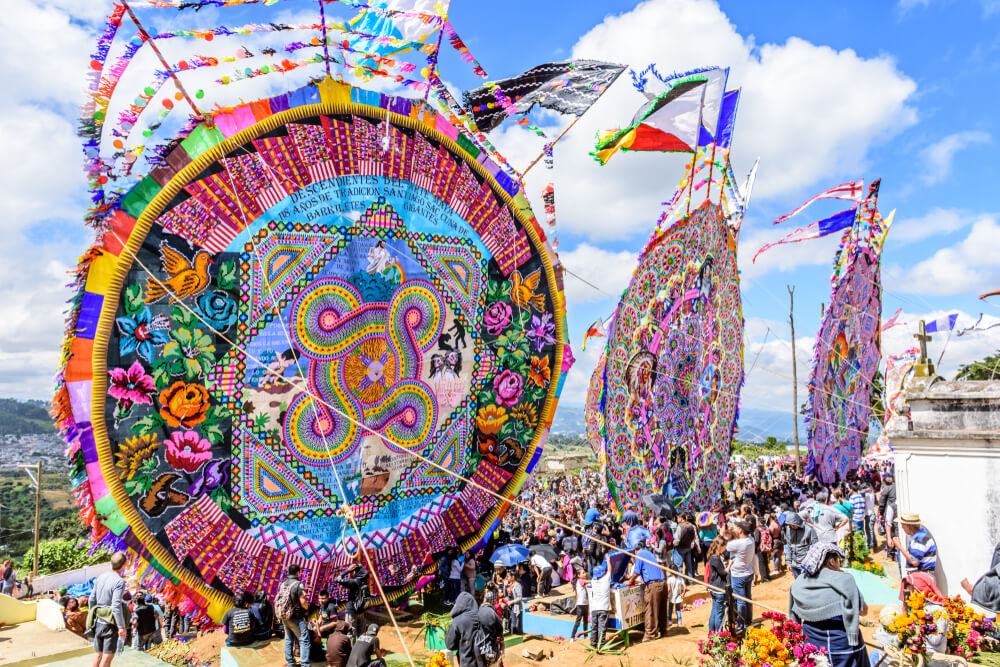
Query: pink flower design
(508,386)
(132,385)
(186,450)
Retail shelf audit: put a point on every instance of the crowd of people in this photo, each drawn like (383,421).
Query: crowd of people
(768,520)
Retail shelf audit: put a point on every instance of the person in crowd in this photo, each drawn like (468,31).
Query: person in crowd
(514,598)
(676,588)
(777,545)
(355,581)
(798,538)
(338,645)
(655,595)
(106,618)
(9,581)
(543,573)
(492,632)
(887,512)
(826,520)
(871,517)
(452,569)
(708,530)
(919,552)
(582,603)
(460,638)
(291,605)
(75,617)
(366,651)
(600,603)
(238,623)
(740,547)
(686,546)
(718,577)
(144,620)
(829,605)
(469,574)
(263,613)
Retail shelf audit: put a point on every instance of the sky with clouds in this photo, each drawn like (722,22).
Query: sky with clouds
(831,92)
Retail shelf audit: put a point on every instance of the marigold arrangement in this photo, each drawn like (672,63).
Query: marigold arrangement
(967,629)
(437,659)
(783,644)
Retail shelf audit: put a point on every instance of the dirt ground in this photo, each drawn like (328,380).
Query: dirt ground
(679,647)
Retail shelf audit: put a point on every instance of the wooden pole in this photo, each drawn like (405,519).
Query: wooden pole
(795,379)
(38,517)
(548,148)
(711,166)
(694,157)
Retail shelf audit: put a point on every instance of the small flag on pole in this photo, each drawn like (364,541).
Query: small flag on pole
(818,229)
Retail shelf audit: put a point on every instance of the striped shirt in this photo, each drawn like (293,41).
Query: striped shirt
(858,501)
(922,547)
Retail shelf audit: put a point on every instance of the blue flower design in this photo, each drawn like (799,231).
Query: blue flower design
(143,333)
(541,331)
(218,310)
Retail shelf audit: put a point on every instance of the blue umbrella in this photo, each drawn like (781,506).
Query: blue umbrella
(635,535)
(509,555)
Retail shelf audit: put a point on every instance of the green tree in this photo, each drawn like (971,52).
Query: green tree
(984,369)
(65,528)
(61,555)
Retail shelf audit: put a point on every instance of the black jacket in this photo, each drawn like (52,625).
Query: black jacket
(464,621)
(357,591)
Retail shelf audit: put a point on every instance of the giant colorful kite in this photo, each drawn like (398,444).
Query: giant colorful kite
(848,348)
(320,326)
(663,402)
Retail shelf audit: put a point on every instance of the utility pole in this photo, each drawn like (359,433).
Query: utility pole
(795,379)
(36,479)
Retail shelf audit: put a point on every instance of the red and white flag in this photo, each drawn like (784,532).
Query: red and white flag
(850,191)
(892,321)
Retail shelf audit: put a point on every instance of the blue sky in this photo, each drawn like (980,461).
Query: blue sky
(832,92)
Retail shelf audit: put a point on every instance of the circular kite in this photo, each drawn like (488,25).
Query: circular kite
(323,320)
(848,351)
(674,367)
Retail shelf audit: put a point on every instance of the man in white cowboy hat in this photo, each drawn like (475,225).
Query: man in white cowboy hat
(920,552)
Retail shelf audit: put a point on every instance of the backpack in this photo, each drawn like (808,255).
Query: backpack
(765,541)
(145,618)
(484,646)
(284,605)
(685,537)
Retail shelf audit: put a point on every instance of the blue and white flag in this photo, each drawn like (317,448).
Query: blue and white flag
(946,323)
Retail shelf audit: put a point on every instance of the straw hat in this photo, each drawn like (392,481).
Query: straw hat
(909,518)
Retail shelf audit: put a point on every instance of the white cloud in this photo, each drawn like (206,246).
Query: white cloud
(969,267)
(938,156)
(44,52)
(609,271)
(810,112)
(936,222)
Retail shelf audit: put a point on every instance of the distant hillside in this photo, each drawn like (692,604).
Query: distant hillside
(22,417)
(754,425)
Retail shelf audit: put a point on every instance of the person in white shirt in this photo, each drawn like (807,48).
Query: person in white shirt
(600,603)
(582,602)
(741,551)
(543,573)
(676,588)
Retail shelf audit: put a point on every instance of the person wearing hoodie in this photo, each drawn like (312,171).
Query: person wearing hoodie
(798,538)
(461,634)
(490,624)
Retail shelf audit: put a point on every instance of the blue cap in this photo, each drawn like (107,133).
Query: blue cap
(591,516)
(600,571)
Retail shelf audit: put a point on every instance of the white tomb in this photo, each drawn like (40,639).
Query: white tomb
(948,471)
